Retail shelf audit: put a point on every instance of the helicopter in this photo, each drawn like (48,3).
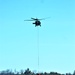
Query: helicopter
(37,21)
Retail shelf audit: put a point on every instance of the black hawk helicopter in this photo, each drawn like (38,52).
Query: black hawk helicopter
(37,21)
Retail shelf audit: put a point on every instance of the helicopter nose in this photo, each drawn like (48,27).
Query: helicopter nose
(33,23)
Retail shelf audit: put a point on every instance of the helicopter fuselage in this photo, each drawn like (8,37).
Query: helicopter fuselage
(37,23)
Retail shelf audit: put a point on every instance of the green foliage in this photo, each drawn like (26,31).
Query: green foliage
(28,72)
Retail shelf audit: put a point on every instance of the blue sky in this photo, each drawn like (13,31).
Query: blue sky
(18,39)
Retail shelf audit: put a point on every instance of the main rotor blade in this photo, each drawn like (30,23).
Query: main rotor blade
(34,18)
(44,18)
(37,19)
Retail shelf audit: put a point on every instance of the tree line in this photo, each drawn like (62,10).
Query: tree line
(29,72)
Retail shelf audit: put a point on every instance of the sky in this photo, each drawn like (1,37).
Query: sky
(20,42)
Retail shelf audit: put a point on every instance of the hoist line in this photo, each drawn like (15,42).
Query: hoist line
(38,46)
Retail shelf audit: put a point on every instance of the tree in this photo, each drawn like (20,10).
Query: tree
(27,72)
(74,72)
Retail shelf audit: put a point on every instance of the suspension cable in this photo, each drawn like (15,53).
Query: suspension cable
(38,46)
